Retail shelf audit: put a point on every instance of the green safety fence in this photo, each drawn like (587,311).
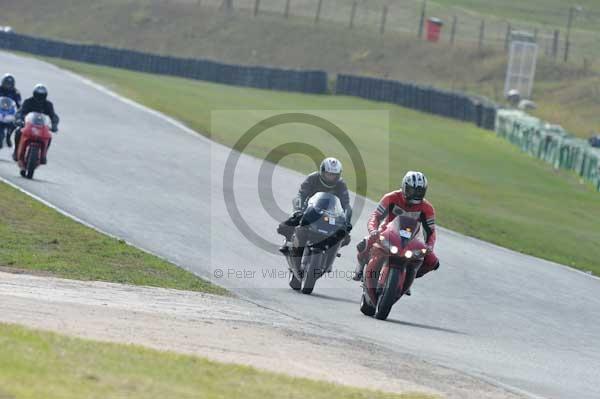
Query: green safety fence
(550,143)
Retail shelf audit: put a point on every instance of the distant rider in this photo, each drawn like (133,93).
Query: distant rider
(328,179)
(8,89)
(410,201)
(37,103)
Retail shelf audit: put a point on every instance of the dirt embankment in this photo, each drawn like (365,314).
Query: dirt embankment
(221,328)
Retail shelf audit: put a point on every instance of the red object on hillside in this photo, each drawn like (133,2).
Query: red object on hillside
(434,29)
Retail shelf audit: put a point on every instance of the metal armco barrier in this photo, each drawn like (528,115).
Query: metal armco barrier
(307,81)
(446,103)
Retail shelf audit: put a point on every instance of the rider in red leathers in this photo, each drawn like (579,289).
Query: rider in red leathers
(409,201)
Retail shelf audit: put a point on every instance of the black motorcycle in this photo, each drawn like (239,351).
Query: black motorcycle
(322,230)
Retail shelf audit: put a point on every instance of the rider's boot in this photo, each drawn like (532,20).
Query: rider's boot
(17,140)
(284,249)
(358,272)
(362,259)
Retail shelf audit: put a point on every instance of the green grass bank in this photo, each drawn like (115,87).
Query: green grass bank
(37,239)
(45,365)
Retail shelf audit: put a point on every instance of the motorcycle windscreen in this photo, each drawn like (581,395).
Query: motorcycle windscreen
(8,109)
(6,104)
(326,203)
(324,214)
(406,227)
(37,119)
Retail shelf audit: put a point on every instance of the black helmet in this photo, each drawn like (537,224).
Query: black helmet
(8,82)
(414,187)
(40,92)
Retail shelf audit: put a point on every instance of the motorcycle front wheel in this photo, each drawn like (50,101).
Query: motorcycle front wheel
(309,274)
(388,295)
(32,160)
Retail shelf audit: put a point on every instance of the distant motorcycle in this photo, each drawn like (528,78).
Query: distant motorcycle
(8,110)
(35,138)
(324,225)
(395,260)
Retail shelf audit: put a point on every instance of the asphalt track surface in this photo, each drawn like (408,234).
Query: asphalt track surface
(518,321)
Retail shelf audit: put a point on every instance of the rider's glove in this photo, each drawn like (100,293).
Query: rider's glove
(374,233)
(429,248)
(54,129)
(19,123)
(294,220)
(348,227)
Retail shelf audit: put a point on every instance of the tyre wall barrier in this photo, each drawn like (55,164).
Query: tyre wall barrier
(445,103)
(305,81)
(428,99)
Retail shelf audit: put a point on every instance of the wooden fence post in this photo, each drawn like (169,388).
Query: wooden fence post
(481,33)
(226,6)
(453,30)
(256,7)
(507,37)
(383,19)
(555,43)
(352,14)
(422,19)
(318,13)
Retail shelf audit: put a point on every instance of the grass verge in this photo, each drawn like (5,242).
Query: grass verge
(46,365)
(38,239)
(481,185)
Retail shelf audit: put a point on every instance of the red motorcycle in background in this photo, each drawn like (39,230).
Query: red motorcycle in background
(395,260)
(35,138)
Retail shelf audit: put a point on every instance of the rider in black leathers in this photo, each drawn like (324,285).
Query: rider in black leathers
(8,89)
(37,103)
(327,179)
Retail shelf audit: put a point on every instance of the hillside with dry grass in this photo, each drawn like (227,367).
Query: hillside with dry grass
(567,93)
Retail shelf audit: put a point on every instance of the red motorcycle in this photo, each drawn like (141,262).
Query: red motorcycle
(395,260)
(35,138)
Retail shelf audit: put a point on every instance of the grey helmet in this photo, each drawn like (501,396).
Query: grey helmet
(40,92)
(414,187)
(330,172)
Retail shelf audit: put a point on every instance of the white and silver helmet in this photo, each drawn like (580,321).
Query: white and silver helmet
(414,187)
(330,172)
